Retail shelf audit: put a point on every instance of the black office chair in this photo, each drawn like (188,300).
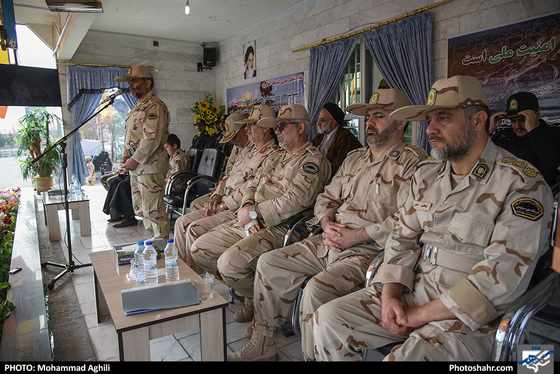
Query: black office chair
(195,184)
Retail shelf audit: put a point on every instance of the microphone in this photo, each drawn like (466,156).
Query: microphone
(113,96)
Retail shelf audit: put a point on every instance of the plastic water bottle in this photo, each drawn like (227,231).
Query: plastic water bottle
(78,189)
(171,262)
(139,262)
(72,188)
(150,264)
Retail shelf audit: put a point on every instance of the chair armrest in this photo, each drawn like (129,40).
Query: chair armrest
(175,177)
(295,221)
(518,315)
(374,267)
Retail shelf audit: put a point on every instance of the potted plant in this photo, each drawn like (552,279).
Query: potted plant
(33,137)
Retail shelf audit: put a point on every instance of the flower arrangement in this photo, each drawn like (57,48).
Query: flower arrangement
(207,112)
(9,202)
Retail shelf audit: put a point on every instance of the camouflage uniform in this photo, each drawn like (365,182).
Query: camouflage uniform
(365,193)
(146,133)
(240,171)
(179,161)
(287,184)
(481,241)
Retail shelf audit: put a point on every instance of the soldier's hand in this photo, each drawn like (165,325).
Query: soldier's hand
(531,119)
(130,164)
(393,315)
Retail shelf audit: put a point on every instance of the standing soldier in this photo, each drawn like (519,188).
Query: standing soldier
(287,183)
(466,245)
(357,212)
(144,154)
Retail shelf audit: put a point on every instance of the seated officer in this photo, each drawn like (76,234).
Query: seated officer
(461,252)
(529,138)
(333,139)
(357,211)
(287,183)
(255,143)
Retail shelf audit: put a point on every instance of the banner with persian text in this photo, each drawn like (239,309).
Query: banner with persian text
(275,92)
(522,56)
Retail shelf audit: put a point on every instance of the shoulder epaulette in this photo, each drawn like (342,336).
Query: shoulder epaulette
(524,168)
(417,150)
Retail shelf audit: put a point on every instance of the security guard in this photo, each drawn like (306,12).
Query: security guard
(460,254)
(529,137)
(287,184)
(144,153)
(357,211)
(255,145)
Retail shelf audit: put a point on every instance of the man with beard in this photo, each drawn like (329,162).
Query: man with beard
(286,184)
(253,144)
(334,140)
(529,138)
(460,253)
(144,153)
(357,211)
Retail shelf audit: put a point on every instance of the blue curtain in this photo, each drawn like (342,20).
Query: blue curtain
(404,54)
(327,65)
(85,86)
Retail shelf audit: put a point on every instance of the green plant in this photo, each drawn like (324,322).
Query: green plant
(33,137)
(9,203)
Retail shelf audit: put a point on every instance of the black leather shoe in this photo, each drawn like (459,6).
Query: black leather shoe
(116,219)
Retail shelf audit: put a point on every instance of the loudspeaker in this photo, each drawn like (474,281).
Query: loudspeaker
(209,56)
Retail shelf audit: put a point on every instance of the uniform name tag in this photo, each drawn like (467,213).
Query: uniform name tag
(420,205)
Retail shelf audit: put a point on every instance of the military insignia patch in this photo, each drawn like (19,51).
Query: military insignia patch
(310,168)
(432,97)
(527,208)
(374,98)
(394,154)
(509,160)
(513,105)
(530,172)
(520,164)
(480,171)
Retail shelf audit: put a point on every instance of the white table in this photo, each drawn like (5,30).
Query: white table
(80,210)
(135,332)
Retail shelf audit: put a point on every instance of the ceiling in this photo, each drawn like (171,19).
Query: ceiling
(210,21)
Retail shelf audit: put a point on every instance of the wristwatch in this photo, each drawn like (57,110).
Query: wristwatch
(253,213)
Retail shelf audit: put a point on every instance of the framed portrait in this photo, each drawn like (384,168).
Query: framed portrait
(249,60)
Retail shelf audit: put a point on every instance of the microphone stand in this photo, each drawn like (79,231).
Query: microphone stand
(70,266)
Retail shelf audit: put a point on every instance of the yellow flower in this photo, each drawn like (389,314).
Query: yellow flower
(197,118)
(215,110)
(210,130)
(203,105)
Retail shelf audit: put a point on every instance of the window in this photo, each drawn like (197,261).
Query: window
(105,132)
(361,80)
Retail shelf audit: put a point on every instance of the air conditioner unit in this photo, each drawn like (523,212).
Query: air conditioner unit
(76,6)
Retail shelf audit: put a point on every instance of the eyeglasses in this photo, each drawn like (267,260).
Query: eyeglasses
(281,125)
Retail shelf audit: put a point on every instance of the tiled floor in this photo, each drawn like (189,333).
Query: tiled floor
(183,346)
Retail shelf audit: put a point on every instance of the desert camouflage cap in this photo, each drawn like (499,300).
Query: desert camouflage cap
(457,91)
(135,71)
(386,98)
(232,126)
(287,112)
(258,112)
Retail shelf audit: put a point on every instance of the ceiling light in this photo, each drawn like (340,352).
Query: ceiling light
(187,8)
